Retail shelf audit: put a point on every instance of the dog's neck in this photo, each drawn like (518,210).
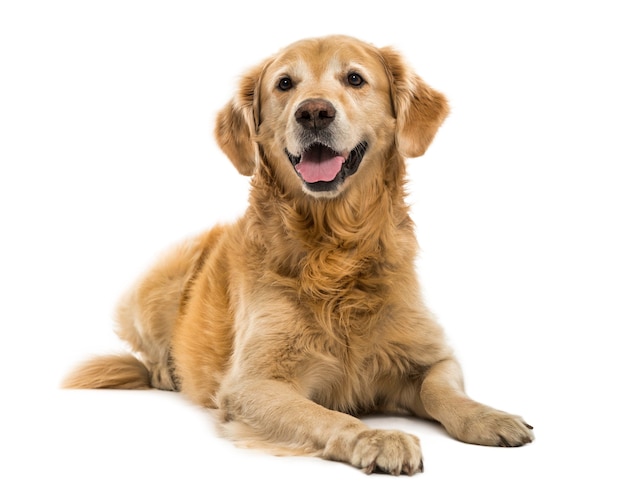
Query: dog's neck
(367,223)
(346,214)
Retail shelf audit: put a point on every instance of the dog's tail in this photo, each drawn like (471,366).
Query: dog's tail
(123,371)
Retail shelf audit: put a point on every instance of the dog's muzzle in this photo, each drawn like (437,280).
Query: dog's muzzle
(322,168)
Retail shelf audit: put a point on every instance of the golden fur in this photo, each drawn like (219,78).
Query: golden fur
(307,311)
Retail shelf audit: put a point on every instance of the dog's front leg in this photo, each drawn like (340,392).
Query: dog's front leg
(275,411)
(443,398)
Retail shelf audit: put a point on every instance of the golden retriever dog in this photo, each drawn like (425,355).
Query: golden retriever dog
(306,312)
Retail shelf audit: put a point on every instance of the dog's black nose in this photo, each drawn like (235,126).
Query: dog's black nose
(315,113)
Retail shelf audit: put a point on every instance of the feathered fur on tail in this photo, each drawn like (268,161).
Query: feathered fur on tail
(109,372)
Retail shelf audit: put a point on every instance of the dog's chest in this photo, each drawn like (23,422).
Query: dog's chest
(355,373)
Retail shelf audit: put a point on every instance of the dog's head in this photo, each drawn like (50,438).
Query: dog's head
(324,110)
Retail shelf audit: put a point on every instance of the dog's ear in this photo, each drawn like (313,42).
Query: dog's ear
(237,123)
(419,109)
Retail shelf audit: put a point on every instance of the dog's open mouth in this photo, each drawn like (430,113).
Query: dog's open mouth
(322,168)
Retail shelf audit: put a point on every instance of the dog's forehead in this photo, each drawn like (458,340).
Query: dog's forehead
(323,57)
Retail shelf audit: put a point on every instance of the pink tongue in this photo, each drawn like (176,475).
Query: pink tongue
(319,164)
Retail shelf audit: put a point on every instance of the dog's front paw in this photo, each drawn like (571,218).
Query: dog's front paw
(496,428)
(393,452)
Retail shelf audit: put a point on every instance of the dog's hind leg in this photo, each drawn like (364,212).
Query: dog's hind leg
(146,317)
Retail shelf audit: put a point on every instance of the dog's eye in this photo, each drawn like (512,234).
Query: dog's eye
(285,84)
(355,79)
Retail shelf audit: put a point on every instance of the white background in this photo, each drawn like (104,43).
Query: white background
(107,158)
